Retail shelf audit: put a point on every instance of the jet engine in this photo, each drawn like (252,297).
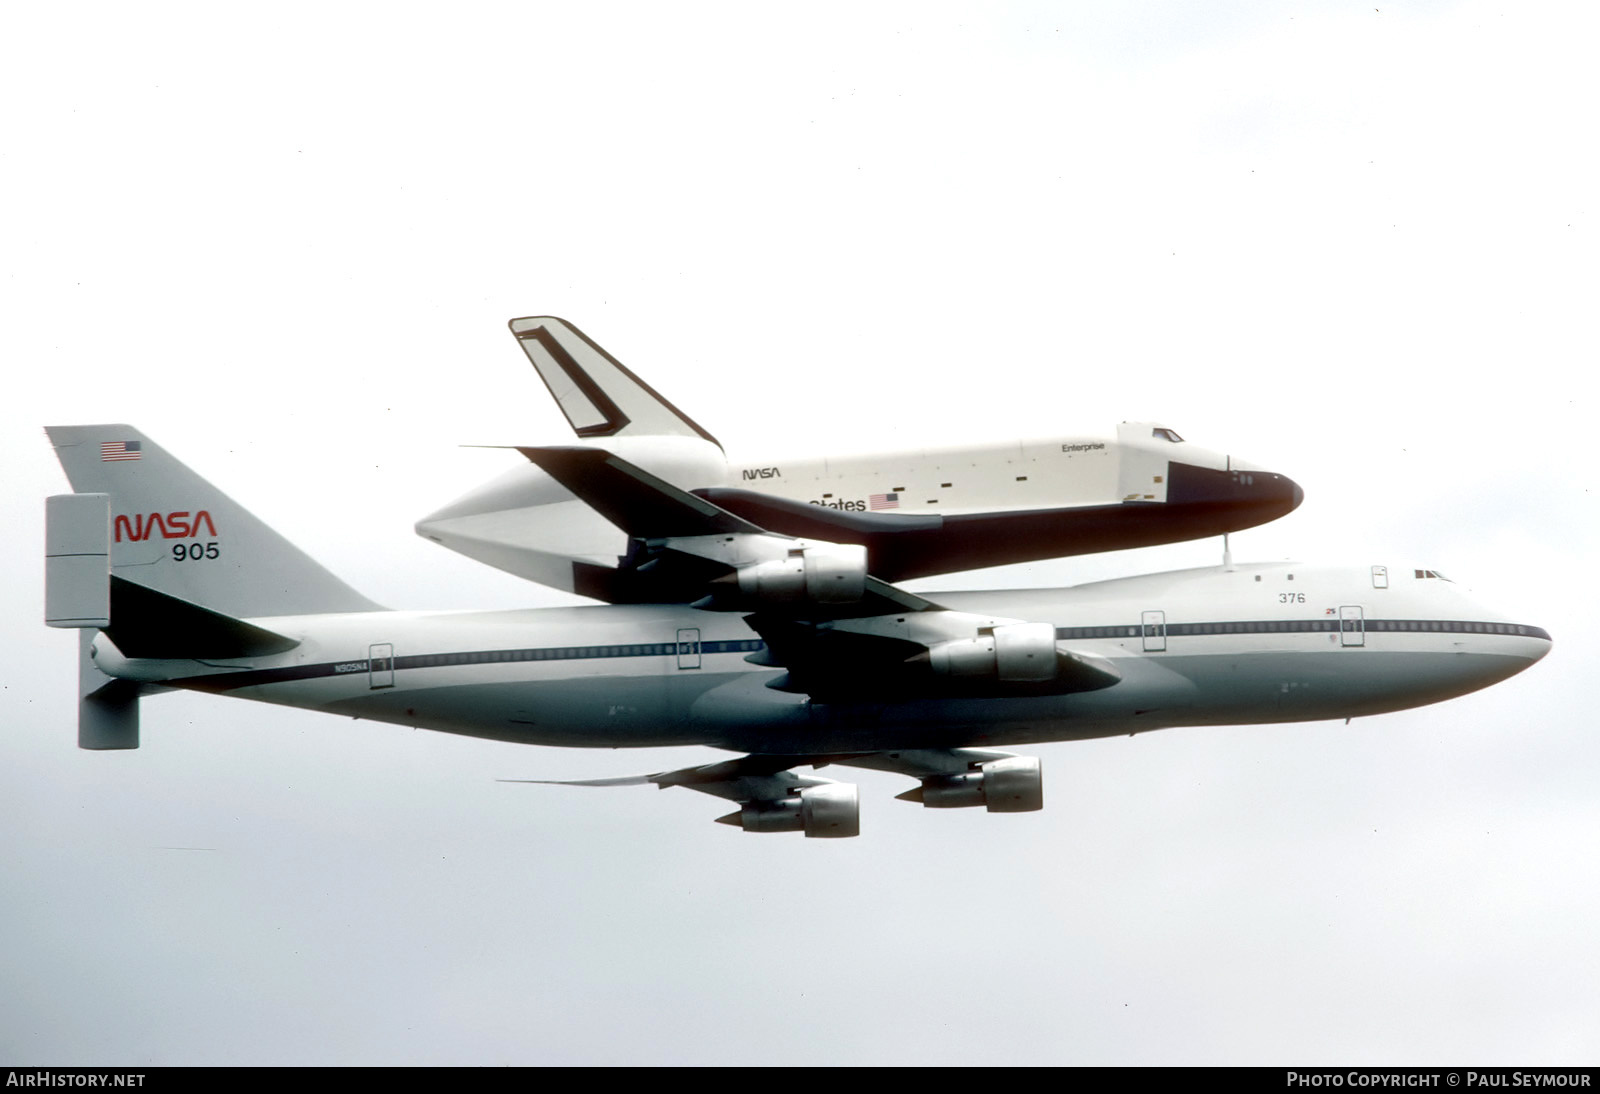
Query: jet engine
(830,811)
(1012,785)
(819,573)
(925,654)
(1015,652)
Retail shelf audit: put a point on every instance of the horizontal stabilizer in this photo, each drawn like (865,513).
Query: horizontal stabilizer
(147,623)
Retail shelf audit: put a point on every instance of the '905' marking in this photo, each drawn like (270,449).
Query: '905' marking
(194,552)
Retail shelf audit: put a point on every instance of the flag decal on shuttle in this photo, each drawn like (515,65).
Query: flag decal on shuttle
(119,450)
(883,501)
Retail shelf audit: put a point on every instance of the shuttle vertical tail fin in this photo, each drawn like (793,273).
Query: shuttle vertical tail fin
(596,392)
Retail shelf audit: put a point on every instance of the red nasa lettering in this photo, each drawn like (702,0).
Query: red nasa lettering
(176,525)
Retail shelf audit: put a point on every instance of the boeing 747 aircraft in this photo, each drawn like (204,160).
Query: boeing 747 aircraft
(791,653)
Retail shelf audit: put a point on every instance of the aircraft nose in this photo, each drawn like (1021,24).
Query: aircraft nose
(1541,644)
(1519,653)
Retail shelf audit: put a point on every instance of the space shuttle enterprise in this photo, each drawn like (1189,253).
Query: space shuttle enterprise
(916,513)
(754,606)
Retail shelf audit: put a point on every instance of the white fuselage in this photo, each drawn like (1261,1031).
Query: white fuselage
(1258,643)
(527,524)
(1028,474)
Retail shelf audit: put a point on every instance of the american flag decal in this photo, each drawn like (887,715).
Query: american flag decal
(119,450)
(883,501)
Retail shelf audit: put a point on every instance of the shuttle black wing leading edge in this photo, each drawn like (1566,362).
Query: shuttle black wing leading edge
(670,558)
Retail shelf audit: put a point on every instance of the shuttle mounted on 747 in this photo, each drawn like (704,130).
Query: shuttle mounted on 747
(916,513)
(759,613)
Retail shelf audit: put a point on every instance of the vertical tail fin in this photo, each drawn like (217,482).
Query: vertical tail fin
(596,392)
(172,531)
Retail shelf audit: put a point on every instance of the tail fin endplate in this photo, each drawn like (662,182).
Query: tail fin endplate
(108,708)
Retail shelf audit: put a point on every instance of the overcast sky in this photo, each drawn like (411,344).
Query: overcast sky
(1353,244)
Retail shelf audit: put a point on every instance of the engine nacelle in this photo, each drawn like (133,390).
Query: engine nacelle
(818,573)
(1015,652)
(1012,785)
(831,811)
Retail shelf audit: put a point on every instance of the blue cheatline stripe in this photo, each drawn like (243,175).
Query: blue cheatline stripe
(574,653)
(229,681)
(1330,625)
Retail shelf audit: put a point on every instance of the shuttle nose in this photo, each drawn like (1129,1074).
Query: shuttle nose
(1257,484)
(1278,493)
(1241,497)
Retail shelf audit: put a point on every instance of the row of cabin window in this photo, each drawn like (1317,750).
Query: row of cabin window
(569,653)
(1292,626)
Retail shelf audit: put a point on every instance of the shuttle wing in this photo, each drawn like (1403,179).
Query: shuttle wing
(688,548)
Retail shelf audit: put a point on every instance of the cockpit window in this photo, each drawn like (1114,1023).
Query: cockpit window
(1166,434)
(1424,574)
